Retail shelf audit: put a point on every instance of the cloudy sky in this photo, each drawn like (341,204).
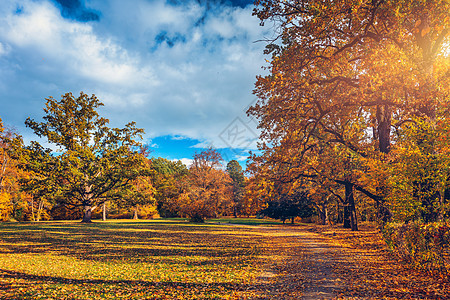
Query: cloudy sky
(183,70)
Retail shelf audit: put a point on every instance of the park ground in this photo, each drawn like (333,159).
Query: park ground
(221,259)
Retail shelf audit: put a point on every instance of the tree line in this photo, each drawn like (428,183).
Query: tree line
(354,116)
(92,168)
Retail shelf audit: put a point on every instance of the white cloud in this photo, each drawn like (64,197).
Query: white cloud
(186,161)
(241,157)
(179,137)
(181,70)
(4,49)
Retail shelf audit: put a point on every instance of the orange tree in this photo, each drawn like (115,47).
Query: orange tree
(349,73)
(209,192)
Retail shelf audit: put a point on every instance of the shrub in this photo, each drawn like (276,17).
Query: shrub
(425,246)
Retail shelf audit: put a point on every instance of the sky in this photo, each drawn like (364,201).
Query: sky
(182,70)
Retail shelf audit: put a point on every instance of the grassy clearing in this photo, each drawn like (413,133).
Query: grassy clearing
(158,259)
(245,221)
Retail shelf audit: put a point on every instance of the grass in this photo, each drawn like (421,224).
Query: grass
(157,259)
(175,259)
(244,221)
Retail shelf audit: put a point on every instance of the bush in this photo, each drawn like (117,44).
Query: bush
(62,212)
(425,246)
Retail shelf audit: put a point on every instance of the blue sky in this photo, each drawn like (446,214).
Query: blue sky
(182,70)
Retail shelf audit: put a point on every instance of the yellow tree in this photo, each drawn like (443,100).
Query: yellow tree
(13,202)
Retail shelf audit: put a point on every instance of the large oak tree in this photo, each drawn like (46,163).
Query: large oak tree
(92,163)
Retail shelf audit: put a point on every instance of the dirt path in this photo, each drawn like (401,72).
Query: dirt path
(304,268)
(320,282)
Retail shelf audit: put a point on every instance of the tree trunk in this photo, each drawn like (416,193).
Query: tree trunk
(347,223)
(135,213)
(104,211)
(327,217)
(40,207)
(340,218)
(292,220)
(384,128)
(87,214)
(349,207)
(32,210)
(323,213)
(350,204)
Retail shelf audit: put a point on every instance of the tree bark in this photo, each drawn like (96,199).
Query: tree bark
(104,211)
(32,210)
(40,207)
(87,214)
(340,217)
(350,220)
(323,213)
(135,213)
(347,223)
(384,128)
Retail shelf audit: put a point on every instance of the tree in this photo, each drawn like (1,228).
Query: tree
(169,180)
(236,174)
(15,203)
(6,206)
(290,206)
(349,73)
(141,192)
(94,163)
(208,194)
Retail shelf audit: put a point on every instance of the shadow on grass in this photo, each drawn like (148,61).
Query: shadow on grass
(137,241)
(61,280)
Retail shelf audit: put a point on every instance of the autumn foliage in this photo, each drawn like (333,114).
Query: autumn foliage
(356,110)
(354,116)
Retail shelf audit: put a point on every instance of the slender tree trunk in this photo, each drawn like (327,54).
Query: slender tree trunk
(33,217)
(135,213)
(40,207)
(327,217)
(104,211)
(323,213)
(292,220)
(339,215)
(87,214)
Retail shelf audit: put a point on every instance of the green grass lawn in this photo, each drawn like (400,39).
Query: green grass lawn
(156,259)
